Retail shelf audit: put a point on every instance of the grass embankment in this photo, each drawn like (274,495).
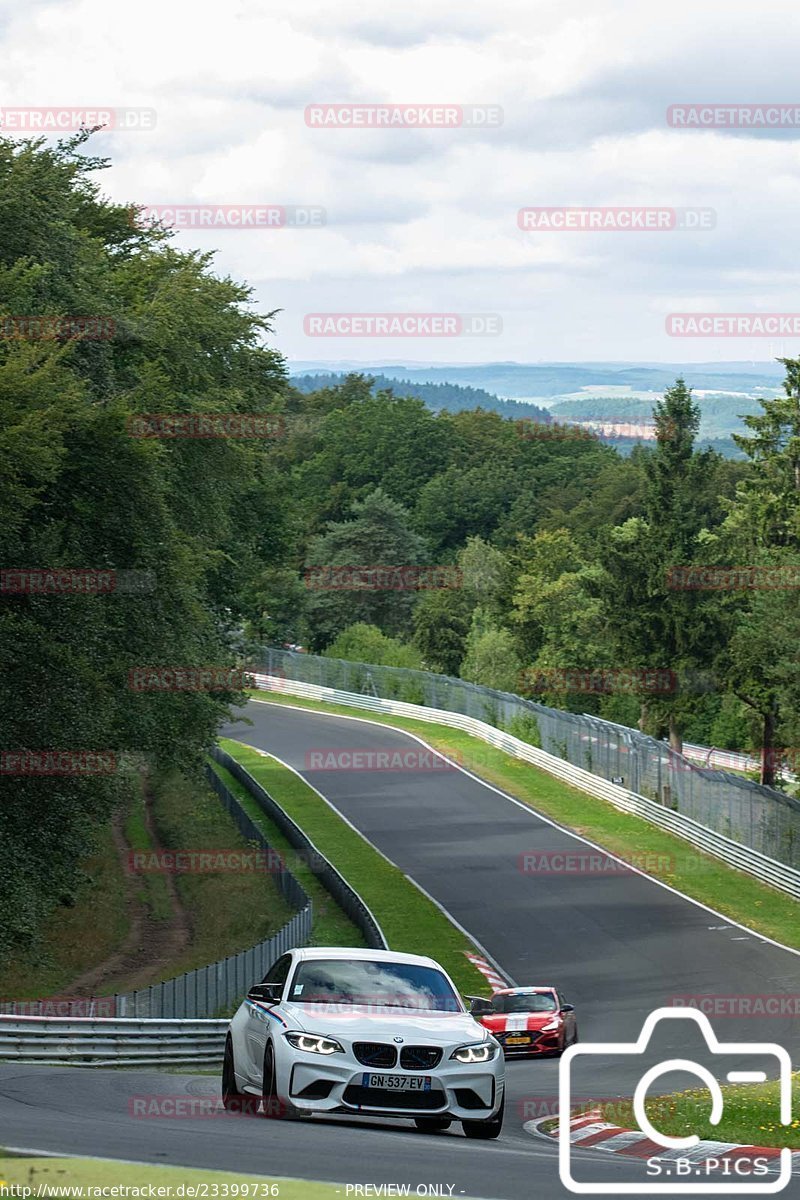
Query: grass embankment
(227,911)
(50,1174)
(409,920)
(751,1115)
(74,938)
(729,892)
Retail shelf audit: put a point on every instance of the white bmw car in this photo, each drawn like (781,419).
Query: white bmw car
(371,1032)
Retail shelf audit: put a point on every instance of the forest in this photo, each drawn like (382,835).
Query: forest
(563,554)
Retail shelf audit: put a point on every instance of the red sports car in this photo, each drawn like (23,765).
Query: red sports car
(528,1020)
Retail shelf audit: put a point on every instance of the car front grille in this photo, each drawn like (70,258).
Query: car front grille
(375,1054)
(361,1097)
(420,1058)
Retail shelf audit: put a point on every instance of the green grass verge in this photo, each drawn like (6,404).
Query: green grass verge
(331,926)
(751,1115)
(662,855)
(58,1173)
(410,922)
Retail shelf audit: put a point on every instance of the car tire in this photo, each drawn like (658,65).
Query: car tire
(432,1124)
(234,1101)
(272,1105)
(484,1130)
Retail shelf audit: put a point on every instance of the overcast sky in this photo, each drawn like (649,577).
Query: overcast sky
(425,221)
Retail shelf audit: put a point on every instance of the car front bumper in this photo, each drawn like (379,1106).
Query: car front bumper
(460,1091)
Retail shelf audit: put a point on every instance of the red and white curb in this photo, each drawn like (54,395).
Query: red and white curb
(490,973)
(590,1131)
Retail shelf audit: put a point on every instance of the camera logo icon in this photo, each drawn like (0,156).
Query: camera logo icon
(692,1179)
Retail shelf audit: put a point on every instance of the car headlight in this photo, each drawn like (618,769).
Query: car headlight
(551,1025)
(313,1043)
(477,1052)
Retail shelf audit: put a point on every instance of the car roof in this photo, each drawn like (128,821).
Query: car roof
(361,954)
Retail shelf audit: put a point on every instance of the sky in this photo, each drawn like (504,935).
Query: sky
(423,221)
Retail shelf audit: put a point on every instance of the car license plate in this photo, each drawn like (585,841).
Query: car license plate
(397,1083)
(519,1039)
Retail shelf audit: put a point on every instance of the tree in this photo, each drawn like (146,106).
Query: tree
(491,658)
(486,575)
(344,587)
(367,644)
(763,529)
(83,492)
(653,624)
(561,619)
(441,624)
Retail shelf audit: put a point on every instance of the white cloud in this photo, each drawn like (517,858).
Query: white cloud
(428,219)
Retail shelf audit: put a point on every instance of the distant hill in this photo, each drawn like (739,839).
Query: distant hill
(720,415)
(542,380)
(453,397)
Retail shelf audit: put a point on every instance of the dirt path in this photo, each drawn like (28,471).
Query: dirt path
(150,946)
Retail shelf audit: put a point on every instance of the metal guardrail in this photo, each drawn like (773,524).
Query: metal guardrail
(768,870)
(345,896)
(109,1042)
(762,818)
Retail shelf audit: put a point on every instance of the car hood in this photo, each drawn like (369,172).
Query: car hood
(366,1025)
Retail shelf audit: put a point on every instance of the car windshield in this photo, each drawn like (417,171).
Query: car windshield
(374,983)
(532,1002)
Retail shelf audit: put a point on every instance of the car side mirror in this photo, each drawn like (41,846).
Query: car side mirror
(265,993)
(568,1008)
(479,1007)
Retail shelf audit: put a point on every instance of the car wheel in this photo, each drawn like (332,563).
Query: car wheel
(484,1130)
(232,1099)
(432,1124)
(273,1106)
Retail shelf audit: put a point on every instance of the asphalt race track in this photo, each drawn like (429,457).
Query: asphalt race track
(617,944)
